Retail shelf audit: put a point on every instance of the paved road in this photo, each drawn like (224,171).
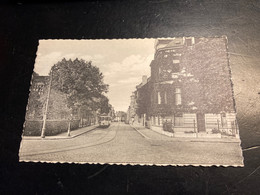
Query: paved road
(122,144)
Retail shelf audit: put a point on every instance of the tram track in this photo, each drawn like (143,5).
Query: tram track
(70,148)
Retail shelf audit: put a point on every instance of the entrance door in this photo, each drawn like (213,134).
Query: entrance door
(201,122)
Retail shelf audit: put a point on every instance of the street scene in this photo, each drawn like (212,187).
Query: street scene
(165,101)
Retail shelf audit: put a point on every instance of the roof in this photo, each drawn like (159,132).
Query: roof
(175,42)
(37,79)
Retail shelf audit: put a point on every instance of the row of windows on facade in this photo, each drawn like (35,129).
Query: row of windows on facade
(175,66)
(172,69)
(38,88)
(174,56)
(178,120)
(164,96)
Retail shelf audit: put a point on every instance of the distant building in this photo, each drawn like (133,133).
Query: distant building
(57,114)
(121,116)
(57,108)
(131,112)
(189,87)
(35,105)
(143,101)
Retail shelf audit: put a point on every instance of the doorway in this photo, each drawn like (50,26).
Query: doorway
(201,122)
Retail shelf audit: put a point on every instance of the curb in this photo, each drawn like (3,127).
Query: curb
(97,142)
(179,139)
(140,132)
(57,137)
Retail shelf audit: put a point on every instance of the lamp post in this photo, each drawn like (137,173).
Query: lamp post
(46,108)
(69,125)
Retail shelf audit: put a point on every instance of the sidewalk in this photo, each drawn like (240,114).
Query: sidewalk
(64,135)
(152,135)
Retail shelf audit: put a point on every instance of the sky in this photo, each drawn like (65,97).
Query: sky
(123,62)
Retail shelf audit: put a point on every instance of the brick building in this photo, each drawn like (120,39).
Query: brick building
(189,88)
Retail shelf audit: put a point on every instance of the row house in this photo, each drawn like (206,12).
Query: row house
(190,89)
(140,102)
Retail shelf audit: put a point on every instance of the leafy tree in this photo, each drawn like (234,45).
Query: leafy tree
(80,81)
(104,105)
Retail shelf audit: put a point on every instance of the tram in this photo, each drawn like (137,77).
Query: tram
(104,120)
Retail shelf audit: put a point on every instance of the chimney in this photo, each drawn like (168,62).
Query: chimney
(144,80)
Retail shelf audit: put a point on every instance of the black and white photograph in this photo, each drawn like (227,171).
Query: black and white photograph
(163,101)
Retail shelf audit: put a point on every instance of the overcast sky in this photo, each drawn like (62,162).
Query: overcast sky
(123,62)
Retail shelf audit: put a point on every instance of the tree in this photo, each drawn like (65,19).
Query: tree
(80,81)
(104,105)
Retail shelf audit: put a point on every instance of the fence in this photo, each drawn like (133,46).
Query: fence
(226,125)
(190,127)
(229,128)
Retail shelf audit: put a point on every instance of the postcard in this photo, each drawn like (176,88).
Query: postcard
(162,101)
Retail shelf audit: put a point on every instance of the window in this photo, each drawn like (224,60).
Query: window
(177,96)
(176,68)
(159,97)
(165,97)
(38,87)
(176,64)
(188,41)
(223,119)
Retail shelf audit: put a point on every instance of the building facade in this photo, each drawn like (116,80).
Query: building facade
(189,90)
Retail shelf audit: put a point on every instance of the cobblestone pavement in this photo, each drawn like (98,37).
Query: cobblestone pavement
(122,144)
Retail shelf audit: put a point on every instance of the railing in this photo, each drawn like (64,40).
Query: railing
(212,128)
(229,129)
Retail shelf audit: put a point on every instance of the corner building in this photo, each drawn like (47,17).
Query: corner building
(190,86)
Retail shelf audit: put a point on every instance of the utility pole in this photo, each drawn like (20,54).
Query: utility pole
(46,108)
(69,125)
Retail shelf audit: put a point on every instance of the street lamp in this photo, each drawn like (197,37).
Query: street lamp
(46,108)
(69,128)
